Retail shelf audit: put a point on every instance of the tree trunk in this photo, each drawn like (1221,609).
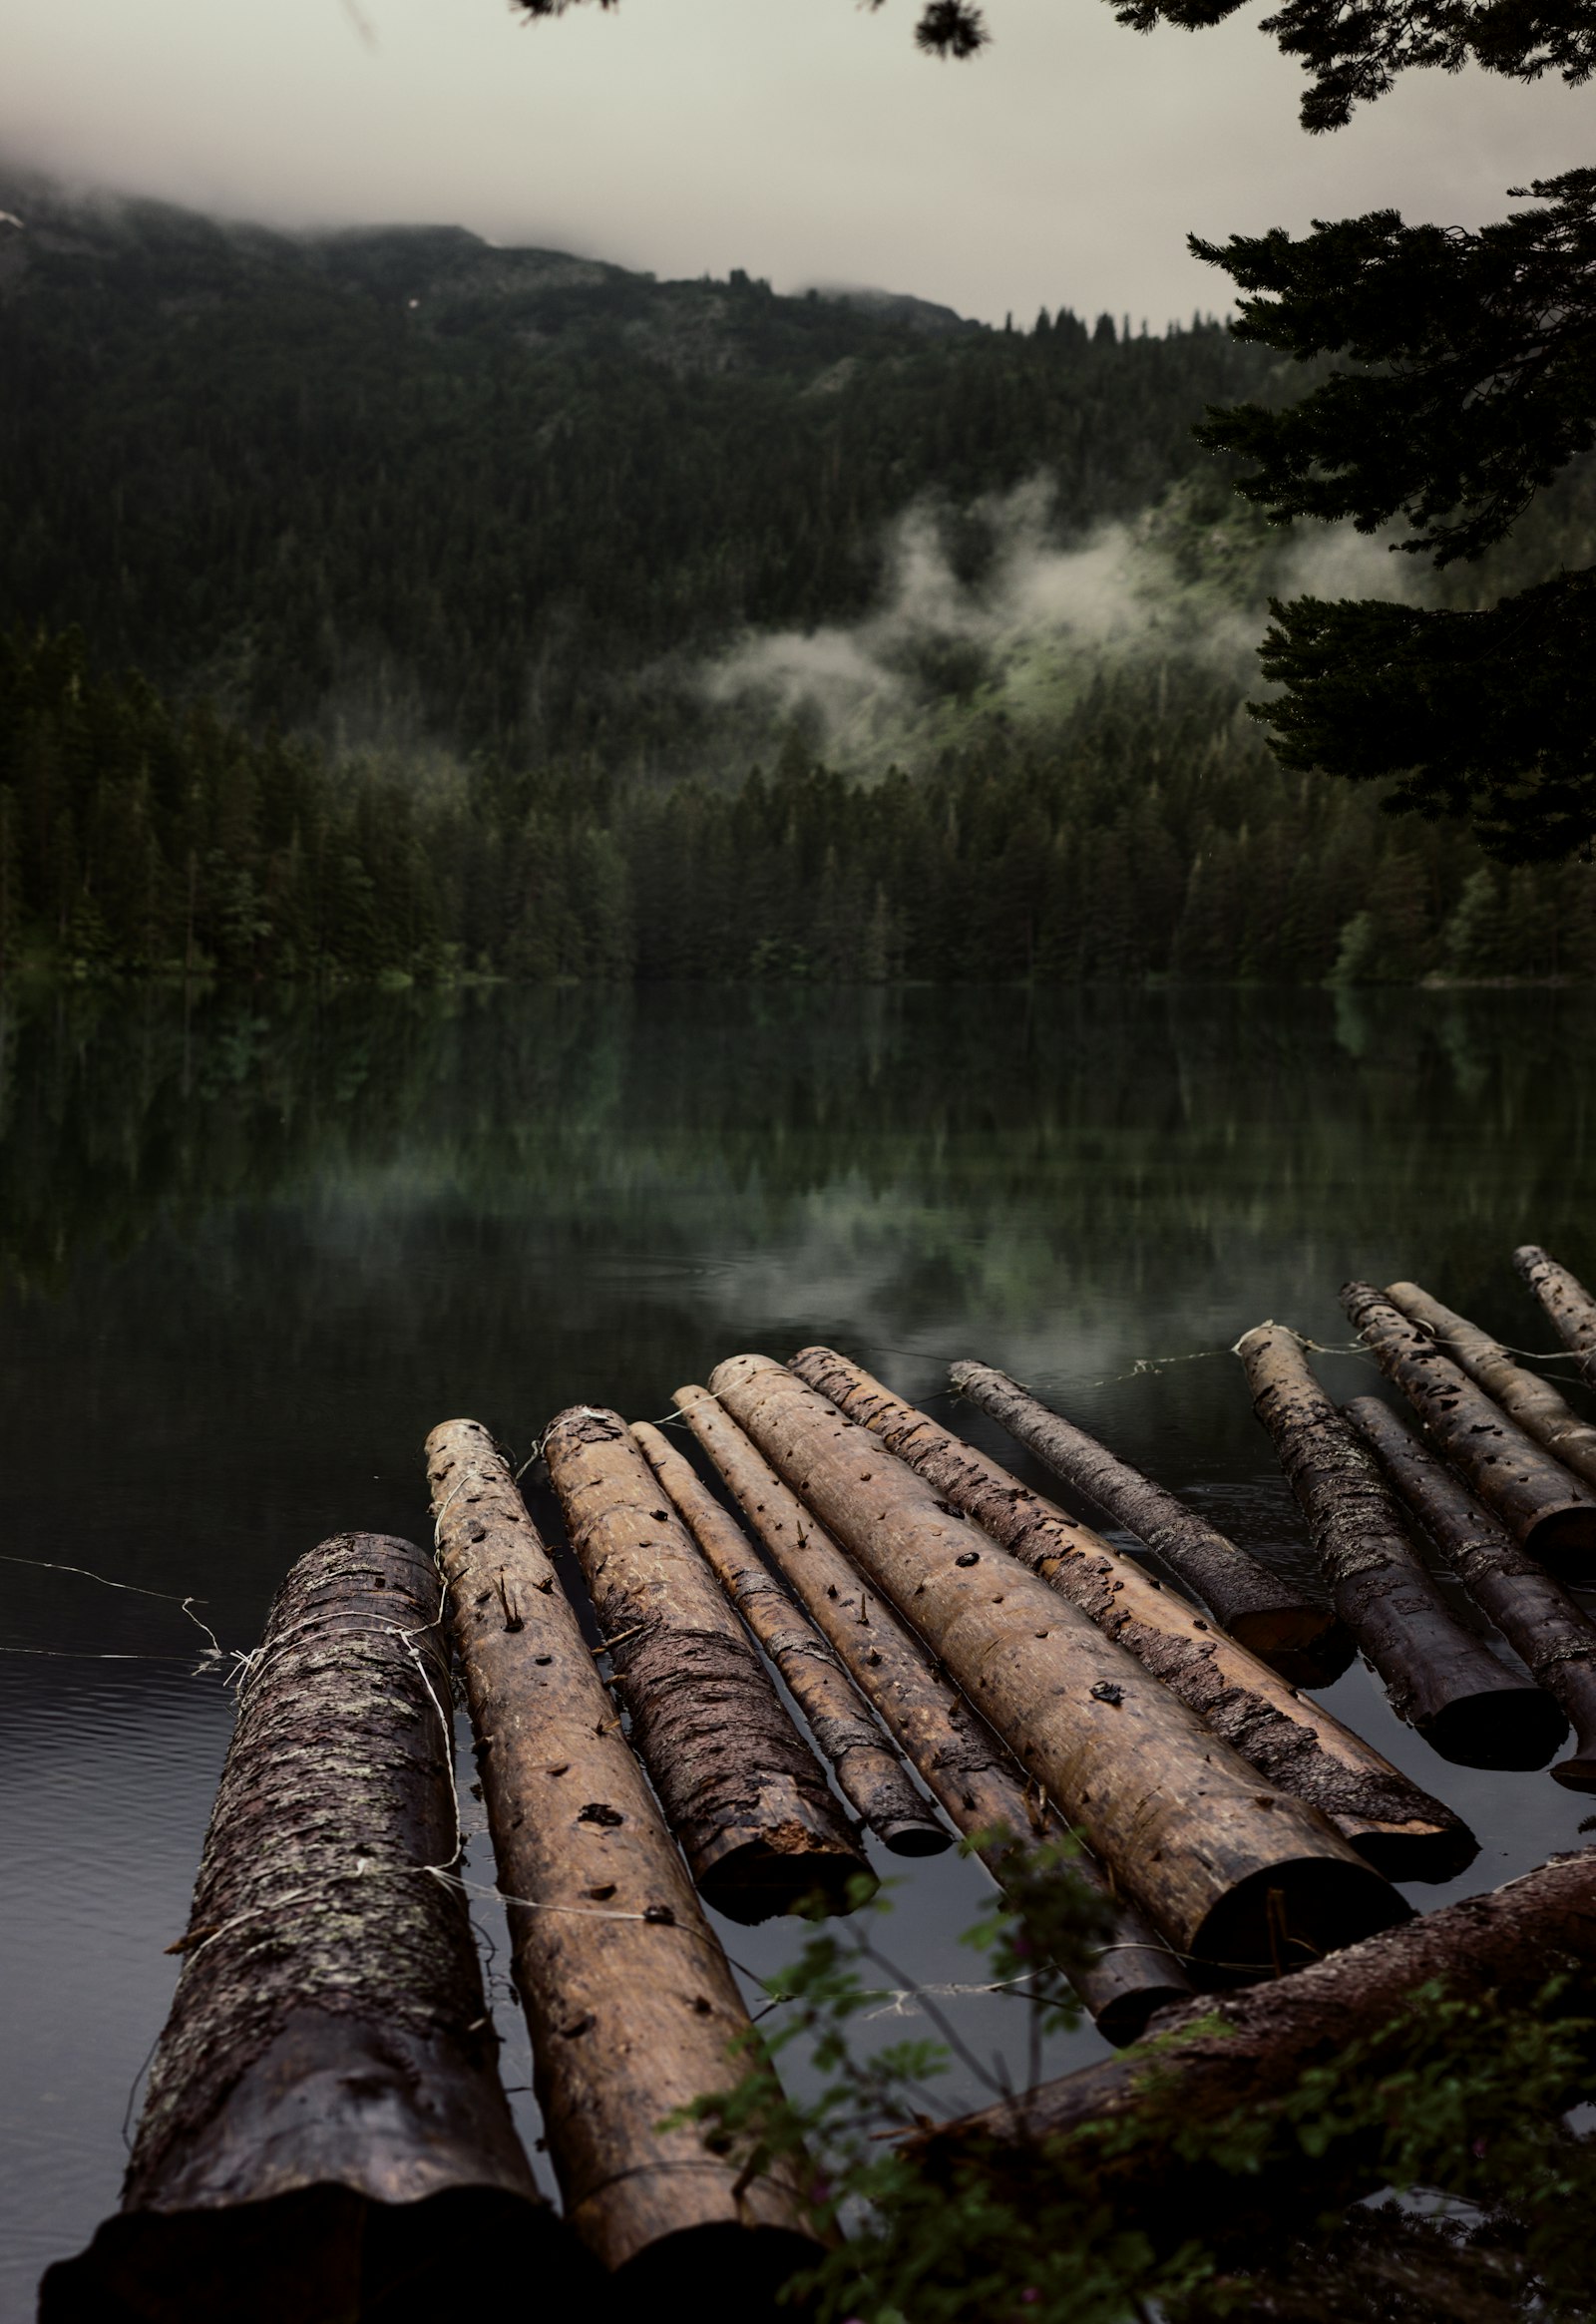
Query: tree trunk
(1394,1825)
(1262,1611)
(631,2001)
(739,1786)
(1546,1511)
(1237,1875)
(1530,1402)
(1251,2049)
(869,1772)
(323,2124)
(1439,1676)
(1538,1619)
(1566,1302)
(959,1758)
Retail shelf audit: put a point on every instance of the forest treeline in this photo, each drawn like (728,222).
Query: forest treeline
(1148,833)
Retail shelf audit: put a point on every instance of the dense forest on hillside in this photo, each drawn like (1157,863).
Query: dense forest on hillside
(424,550)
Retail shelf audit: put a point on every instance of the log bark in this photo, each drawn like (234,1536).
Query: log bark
(983,1788)
(1264,1612)
(1565,1300)
(1250,2048)
(1237,1874)
(1440,1678)
(1548,1512)
(631,2003)
(1536,1615)
(868,1772)
(741,1787)
(1391,1823)
(1530,1402)
(323,2124)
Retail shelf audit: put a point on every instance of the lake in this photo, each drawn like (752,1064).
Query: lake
(252,1249)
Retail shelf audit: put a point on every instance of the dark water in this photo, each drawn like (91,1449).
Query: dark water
(249,1257)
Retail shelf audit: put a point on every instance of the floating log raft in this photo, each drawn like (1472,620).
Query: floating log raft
(1393,1825)
(741,1789)
(1565,1300)
(983,1791)
(1237,1874)
(631,2001)
(1531,1402)
(1439,1676)
(1548,1511)
(1538,1619)
(1245,2049)
(1262,1610)
(324,2127)
(869,1772)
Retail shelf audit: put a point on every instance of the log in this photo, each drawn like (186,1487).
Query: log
(741,1787)
(1565,1300)
(1440,1678)
(1264,1612)
(961,1760)
(868,1772)
(1548,1512)
(1391,1823)
(1536,1615)
(1530,1402)
(323,2124)
(1248,2049)
(1237,1874)
(631,2001)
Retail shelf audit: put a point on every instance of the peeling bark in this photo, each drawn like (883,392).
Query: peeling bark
(324,2120)
(739,1786)
(1565,1300)
(983,1788)
(631,2003)
(869,1772)
(1548,1511)
(1538,1619)
(1531,1402)
(1394,1825)
(1238,1876)
(1250,2048)
(1263,1610)
(1439,1676)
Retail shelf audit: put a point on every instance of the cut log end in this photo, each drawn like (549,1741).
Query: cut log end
(1429,1852)
(1504,1726)
(321,2255)
(759,1880)
(1577,1773)
(1564,1540)
(1293,1913)
(1308,1645)
(719,2271)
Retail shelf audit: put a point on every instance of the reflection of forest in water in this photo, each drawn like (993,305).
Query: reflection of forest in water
(1064,1125)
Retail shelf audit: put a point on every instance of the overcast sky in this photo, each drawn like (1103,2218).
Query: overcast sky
(807,141)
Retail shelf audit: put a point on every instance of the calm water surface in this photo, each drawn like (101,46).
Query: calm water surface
(249,1254)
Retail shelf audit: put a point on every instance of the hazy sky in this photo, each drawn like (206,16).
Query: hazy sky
(804,140)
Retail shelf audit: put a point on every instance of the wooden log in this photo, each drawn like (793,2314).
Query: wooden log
(323,2124)
(1237,1874)
(631,2003)
(1530,1402)
(1391,1823)
(868,1772)
(983,1789)
(741,1787)
(1548,1512)
(1565,1300)
(1282,1624)
(1536,1615)
(1440,1678)
(1248,2049)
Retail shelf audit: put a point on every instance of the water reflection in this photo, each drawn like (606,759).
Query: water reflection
(250,1252)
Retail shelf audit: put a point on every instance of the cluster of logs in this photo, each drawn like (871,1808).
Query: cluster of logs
(324,2131)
